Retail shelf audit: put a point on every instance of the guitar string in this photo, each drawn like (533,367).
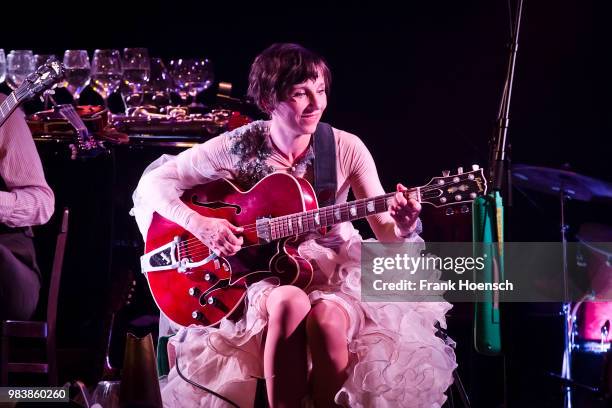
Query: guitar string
(280,223)
(18,94)
(358,203)
(280,229)
(194,247)
(11,104)
(197,248)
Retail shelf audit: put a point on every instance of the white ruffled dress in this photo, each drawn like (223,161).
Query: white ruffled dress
(396,360)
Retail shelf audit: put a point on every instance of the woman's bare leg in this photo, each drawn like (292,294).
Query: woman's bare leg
(327,327)
(285,364)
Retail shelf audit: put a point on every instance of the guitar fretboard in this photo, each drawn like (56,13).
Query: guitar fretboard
(310,221)
(7,107)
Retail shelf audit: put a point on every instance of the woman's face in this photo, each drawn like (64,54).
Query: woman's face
(302,109)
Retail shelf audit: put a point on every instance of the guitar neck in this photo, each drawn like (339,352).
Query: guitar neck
(71,115)
(313,220)
(7,107)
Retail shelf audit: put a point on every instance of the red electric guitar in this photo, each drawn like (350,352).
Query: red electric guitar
(191,285)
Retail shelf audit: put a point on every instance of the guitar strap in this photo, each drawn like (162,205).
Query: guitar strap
(325,181)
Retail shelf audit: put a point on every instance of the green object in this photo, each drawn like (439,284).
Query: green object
(487,223)
(163,365)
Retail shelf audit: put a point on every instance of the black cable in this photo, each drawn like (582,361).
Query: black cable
(443,334)
(195,384)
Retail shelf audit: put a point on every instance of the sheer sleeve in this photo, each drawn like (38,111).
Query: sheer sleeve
(361,171)
(160,189)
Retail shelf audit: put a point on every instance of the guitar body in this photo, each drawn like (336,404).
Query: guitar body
(206,294)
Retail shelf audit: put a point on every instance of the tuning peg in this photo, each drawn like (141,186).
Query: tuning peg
(445,173)
(475,167)
(459,170)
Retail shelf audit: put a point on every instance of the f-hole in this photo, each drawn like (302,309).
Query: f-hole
(214,205)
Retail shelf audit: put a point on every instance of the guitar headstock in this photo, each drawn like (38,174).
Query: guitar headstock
(459,188)
(86,146)
(43,78)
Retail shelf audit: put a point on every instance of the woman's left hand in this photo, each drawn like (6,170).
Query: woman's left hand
(405,212)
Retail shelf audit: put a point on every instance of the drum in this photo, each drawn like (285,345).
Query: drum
(594,322)
(594,316)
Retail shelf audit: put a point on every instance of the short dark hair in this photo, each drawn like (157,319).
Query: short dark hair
(281,66)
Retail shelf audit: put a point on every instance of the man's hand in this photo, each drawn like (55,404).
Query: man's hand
(217,234)
(405,212)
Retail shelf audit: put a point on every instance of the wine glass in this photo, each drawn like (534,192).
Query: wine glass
(77,71)
(192,76)
(106,72)
(160,84)
(136,72)
(2,65)
(19,64)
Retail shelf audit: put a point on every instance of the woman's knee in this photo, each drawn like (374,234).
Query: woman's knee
(326,328)
(287,305)
(328,318)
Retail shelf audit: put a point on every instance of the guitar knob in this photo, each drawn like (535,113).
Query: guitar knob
(464,209)
(445,173)
(450,211)
(211,300)
(209,277)
(197,315)
(475,167)
(459,170)
(195,292)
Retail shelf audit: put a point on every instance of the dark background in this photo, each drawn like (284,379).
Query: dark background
(419,82)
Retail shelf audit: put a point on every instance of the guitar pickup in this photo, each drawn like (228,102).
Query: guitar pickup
(264,232)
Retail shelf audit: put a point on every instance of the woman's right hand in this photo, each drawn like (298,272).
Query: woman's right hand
(218,234)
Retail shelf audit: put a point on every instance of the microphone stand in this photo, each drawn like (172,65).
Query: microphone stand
(501,178)
(499,158)
(499,153)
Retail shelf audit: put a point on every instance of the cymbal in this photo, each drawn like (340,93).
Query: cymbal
(551,181)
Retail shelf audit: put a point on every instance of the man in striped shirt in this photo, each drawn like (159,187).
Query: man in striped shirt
(25,200)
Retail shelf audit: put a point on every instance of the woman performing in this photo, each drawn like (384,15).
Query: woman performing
(320,346)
